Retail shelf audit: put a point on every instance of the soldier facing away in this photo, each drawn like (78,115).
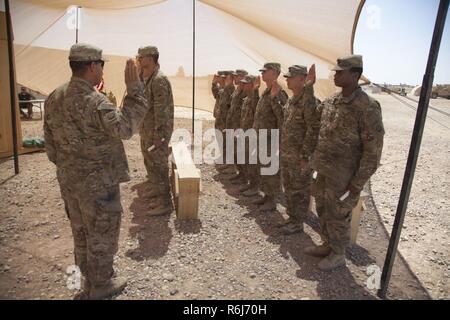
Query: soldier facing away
(348,152)
(156,130)
(83,133)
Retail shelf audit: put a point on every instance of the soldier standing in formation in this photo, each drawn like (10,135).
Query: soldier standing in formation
(83,132)
(348,152)
(297,146)
(234,119)
(156,130)
(269,115)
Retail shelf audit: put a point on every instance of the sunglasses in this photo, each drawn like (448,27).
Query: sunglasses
(102,63)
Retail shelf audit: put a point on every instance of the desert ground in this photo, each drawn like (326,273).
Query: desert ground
(234,251)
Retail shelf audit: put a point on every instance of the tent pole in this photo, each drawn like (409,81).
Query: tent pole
(193,66)
(76,29)
(12,84)
(414,150)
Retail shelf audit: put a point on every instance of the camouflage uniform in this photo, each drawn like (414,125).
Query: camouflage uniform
(269,115)
(234,116)
(83,133)
(348,152)
(247,118)
(158,124)
(223,107)
(297,142)
(217,93)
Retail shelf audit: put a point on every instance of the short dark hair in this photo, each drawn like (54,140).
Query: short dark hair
(357,70)
(79,66)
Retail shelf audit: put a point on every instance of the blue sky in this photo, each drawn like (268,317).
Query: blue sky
(395,37)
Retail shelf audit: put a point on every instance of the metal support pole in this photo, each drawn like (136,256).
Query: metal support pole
(414,148)
(76,29)
(193,66)
(12,85)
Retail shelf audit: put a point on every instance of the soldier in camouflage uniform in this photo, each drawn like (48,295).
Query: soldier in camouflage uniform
(234,119)
(83,132)
(223,107)
(297,145)
(156,130)
(269,115)
(217,86)
(348,152)
(251,93)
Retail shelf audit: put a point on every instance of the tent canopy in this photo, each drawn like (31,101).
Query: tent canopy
(229,35)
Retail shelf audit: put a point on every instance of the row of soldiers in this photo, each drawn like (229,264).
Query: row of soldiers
(341,139)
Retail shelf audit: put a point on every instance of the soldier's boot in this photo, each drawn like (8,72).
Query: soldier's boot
(318,251)
(286,222)
(251,192)
(112,287)
(229,170)
(85,290)
(259,201)
(244,188)
(164,207)
(332,261)
(269,205)
(293,228)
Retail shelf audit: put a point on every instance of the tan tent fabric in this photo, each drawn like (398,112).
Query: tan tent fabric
(229,34)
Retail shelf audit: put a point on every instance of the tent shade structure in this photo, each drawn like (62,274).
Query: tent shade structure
(229,35)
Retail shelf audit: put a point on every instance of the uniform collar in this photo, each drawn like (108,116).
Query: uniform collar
(83,83)
(348,100)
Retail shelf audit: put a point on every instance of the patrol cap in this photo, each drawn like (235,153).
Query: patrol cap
(240,72)
(147,51)
(296,70)
(85,52)
(271,66)
(248,79)
(226,73)
(347,63)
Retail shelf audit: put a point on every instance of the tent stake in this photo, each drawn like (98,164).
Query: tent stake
(414,150)
(193,66)
(12,84)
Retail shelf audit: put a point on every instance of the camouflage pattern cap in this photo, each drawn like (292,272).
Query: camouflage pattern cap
(147,51)
(85,52)
(271,66)
(248,79)
(296,70)
(347,63)
(240,72)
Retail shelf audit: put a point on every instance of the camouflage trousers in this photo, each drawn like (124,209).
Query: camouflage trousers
(95,218)
(297,185)
(334,215)
(250,171)
(269,184)
(157,166)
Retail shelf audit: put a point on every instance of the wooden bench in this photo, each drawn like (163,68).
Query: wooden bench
(186,182)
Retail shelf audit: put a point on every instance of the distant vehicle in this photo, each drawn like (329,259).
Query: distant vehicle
(402,92)
(441,90)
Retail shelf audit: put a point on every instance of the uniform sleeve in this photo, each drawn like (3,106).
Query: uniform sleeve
(312,135)
(277,107)
(48,135)
(312,123)
(215,91)
(122,123)
(163,107)
(372,134)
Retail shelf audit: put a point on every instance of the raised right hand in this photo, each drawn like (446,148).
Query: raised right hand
(257,83)
(131,72)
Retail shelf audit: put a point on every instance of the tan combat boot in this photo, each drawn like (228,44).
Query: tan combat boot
(163,208)
(292,228)
(112,287)
(85,290)
(269,205)
(332,261)
(318,251)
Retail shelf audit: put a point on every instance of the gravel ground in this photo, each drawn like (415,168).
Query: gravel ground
(233,251)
